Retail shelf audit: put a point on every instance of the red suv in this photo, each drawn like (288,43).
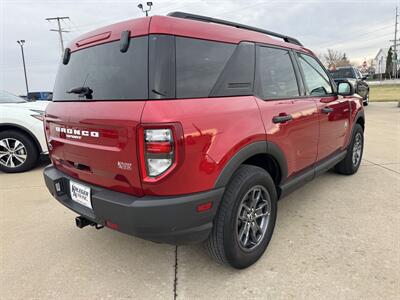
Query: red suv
(184,129)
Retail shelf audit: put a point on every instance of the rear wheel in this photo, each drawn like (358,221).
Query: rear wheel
(350,164)
(246,218)
(18,153)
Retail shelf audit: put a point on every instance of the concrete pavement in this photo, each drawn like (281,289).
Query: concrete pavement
(338,237)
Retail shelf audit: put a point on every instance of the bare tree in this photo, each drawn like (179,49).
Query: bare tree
(334,58)
(343,62)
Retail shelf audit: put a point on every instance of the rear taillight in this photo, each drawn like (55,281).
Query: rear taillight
(158,149)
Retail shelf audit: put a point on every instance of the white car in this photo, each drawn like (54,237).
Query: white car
(22,138)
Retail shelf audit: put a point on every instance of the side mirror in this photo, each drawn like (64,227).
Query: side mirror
(345,88)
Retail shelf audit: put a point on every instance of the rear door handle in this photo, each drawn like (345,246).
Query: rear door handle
(282,119)
(327,110)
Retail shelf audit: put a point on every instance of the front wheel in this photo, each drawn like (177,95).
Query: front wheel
(246,218)
(366,100)
(350,164)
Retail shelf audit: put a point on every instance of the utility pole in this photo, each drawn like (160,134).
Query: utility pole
(21,44)
(395,44)
(60,30)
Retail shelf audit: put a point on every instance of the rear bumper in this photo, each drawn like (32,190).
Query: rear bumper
(171,220)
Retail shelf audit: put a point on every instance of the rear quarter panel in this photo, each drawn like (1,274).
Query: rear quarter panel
(214,130)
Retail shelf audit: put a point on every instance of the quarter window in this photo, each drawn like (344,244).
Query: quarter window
(316,79)
(275,74)
(198,66)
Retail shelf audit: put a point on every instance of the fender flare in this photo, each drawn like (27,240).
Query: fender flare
(261,147)
(360,114)
(25,130)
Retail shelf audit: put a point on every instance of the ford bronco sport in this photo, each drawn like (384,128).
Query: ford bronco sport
(186,129)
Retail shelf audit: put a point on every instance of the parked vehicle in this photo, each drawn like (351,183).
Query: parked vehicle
(184,129)
(22,139)
(354,76)
(40,96)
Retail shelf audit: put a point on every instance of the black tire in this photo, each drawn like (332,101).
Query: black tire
(32,153)
(347,166)
(366,100)
(223,243)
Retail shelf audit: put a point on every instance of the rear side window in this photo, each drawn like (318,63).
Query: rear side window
(109,73)
(276,77)
(316,79)
(161,66)
(198,66)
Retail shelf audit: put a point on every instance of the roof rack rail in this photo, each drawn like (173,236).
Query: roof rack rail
(183,15)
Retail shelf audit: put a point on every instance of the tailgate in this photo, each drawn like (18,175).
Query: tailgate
(96,142)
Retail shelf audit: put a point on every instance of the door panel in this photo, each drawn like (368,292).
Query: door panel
(334,118)
(290,121)
(333,111)
(298,137)
(362,89)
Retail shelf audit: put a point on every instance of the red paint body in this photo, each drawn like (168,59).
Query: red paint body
(213,129)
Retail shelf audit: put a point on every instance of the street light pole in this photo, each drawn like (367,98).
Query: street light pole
(21,43)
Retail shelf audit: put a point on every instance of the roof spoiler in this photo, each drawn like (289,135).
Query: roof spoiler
(183,15)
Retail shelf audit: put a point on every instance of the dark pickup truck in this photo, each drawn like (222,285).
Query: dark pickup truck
(354,76)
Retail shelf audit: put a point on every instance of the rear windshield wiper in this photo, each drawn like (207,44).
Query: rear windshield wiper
(82,91)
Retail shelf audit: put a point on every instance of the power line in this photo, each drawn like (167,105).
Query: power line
(367,43)
(60,30)
(359,33)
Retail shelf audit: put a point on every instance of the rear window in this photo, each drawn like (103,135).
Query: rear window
(342,73)
(109,73)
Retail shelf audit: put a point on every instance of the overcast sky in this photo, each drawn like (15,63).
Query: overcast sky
(358,28)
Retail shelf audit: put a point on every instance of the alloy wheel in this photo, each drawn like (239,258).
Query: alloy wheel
(12,153)
(253,217)
(357,148)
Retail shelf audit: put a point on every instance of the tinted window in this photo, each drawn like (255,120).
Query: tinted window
(275,74)
(40,95)
(162,66)
(316,79)
(6,97)
(342,73)
(198,66)
(111,74)
(237,78)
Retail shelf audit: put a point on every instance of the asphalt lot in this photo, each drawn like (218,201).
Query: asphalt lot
(336,238)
